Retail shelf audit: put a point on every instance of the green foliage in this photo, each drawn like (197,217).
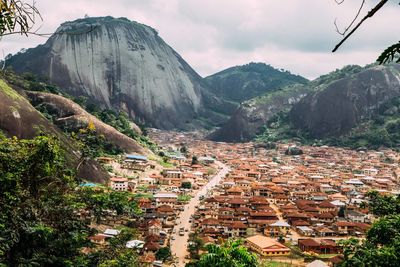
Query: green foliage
(163,254)
(382,244)
(195,160)
(94,145)
(242,83)
(184,198)
(392,53)
(120,121)
(37,223)
(186,185)
(382,205)
(117,254)
(195,245)
(230,253)
(101,202)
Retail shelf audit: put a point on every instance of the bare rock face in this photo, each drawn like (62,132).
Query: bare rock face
(344,103)
(247,121)
(71,116)
(122,65)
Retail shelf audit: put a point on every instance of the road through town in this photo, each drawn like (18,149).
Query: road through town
(179,245)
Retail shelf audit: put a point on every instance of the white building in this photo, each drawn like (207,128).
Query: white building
(119,183)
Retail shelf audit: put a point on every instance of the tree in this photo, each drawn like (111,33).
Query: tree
(382,205)
(38,226)
(195,160)
(390,53)
(17,17)
(230,253)
(117,254)
(195,245)
(382,244)
(186,185)
(163,254)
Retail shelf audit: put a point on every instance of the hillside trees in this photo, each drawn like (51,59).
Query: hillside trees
(39,201)
(382,244)
(37,222)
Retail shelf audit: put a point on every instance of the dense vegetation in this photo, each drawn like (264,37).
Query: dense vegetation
(382,245)
(242,83)
(39,225)
(230,253)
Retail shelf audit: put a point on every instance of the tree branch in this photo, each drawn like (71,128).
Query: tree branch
(369,15)
(354,20)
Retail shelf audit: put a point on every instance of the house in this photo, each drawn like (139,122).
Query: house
(111,232)
(119,183)
(166,199)
(305,230)
(99,239)
(154,227)
(355,216)
(277,228)
(135,244)
(206,160)
(344,228)
(320,246)
(267,246)
(173,174)
(135,162)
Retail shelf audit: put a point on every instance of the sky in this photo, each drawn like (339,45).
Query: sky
(212,35)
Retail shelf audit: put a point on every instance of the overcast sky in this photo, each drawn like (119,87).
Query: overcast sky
(212,35)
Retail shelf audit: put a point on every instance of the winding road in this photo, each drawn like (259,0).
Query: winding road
(179,245)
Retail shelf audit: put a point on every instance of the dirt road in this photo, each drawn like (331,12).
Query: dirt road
(179,245)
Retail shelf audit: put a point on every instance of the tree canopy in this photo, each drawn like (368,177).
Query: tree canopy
(382,244)
(230,253)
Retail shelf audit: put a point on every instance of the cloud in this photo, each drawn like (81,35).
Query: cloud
(212,35)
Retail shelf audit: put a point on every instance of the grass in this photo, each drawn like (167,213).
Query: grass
(184,198)
(9,91)
(165,164)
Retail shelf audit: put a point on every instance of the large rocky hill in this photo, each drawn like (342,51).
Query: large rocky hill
(248,120)
(346,102)
(123,65)
(329,106)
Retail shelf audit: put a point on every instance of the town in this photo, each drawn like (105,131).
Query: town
(290,204)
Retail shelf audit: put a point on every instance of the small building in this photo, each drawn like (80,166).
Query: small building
(320,246)
(277,228)
(206,160)
(173,174)
(166,199)
(119,183)
(135,162)
(267,246)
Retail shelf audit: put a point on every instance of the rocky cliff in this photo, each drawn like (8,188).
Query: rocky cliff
(249,119)
(122,65)
(345,102)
